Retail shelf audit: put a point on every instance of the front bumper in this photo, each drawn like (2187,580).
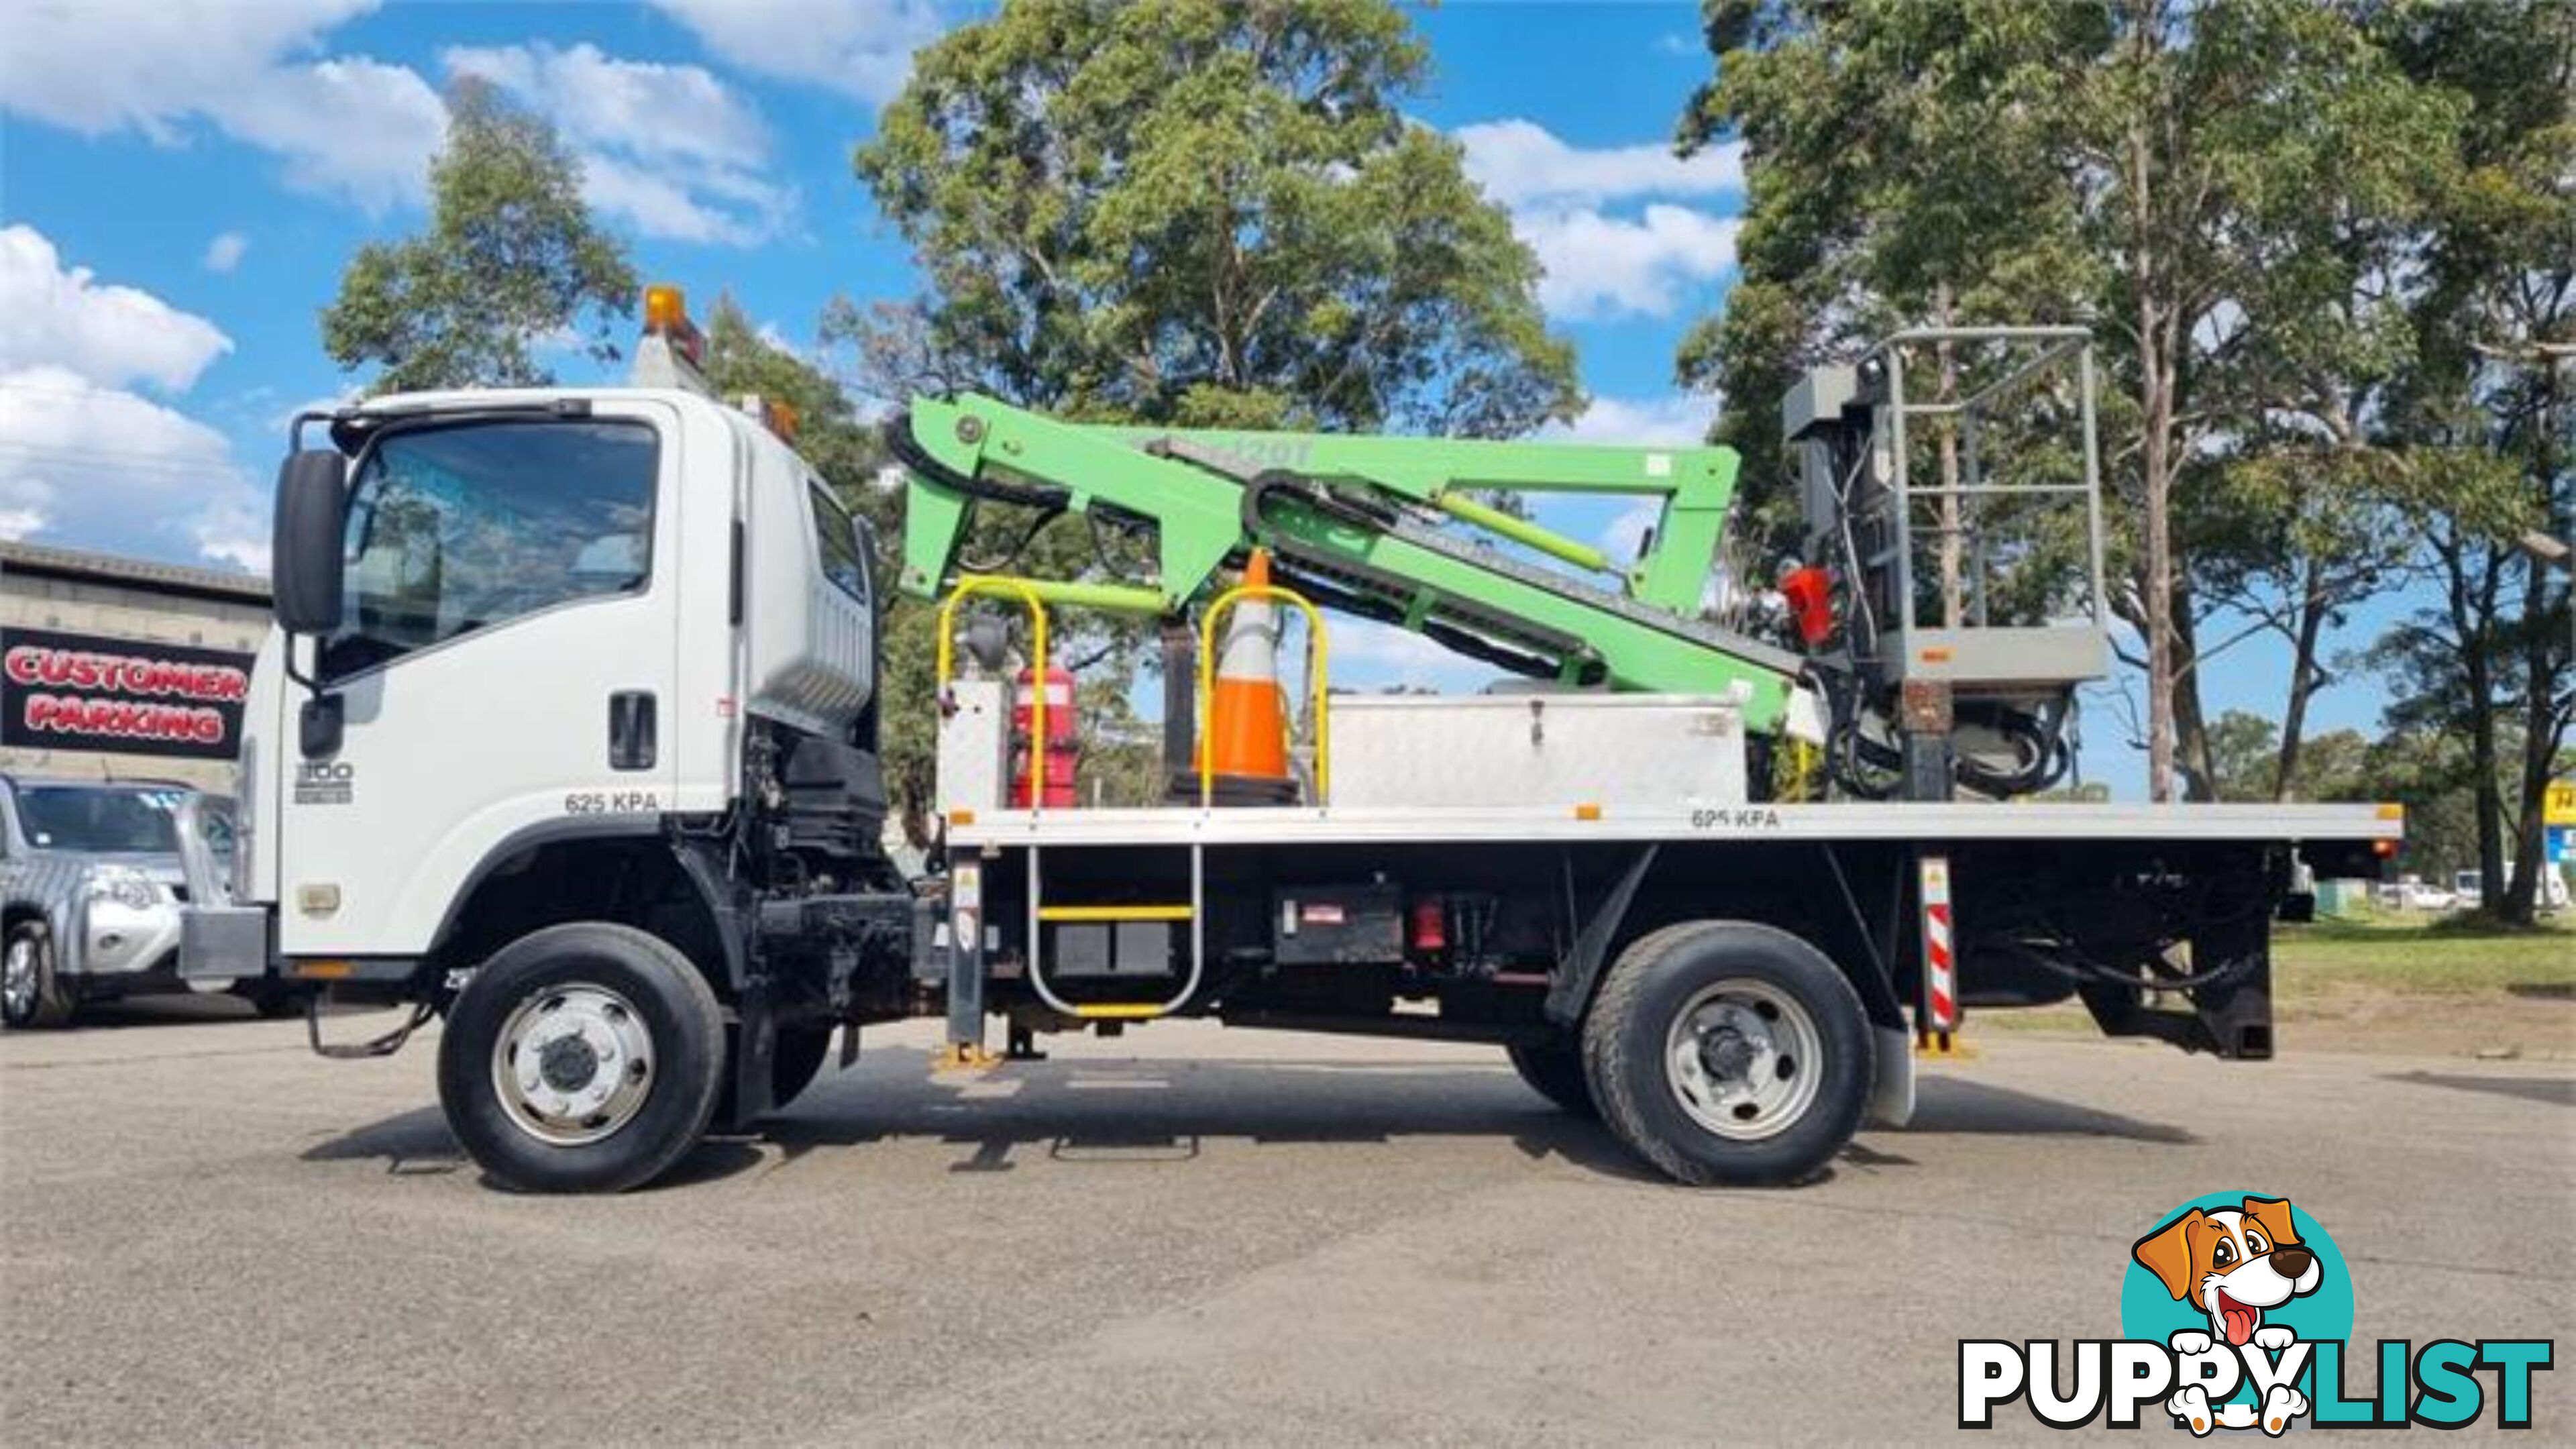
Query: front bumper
(225,943)
(116,939)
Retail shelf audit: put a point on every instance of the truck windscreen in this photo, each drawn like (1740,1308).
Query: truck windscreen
(461,527)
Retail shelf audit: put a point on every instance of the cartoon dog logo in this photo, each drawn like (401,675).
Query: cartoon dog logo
(2232,1265)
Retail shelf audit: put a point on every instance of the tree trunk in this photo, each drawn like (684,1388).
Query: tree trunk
(2303,684)
(2549,611)
(2157,339)
(2192,759)
(2155,403)
(2473,610)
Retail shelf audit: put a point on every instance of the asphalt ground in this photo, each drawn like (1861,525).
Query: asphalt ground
(209,1236)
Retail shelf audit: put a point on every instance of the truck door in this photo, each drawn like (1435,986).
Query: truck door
(504,665)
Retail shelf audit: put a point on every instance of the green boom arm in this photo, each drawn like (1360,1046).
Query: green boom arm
(1345,517)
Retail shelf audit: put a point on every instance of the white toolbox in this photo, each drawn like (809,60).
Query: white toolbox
(1398,750)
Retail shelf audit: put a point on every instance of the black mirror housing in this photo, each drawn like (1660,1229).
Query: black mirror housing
(304,556)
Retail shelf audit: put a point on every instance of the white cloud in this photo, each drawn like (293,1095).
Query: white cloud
(281,419)
(861,48)
(1371,655)
(1600,265)
(1608,223)
(165,68)
(667,148)
(1674,43)
(225,252)
(84,460)
(1521,163)
(1679,419)
(357,127)
(94,467)
(61,317)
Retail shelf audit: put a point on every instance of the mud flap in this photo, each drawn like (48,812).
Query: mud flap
(1891,1096)
(752,1050)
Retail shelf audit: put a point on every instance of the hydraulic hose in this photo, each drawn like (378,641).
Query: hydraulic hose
(907,450)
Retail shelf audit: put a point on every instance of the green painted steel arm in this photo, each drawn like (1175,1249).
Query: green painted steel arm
(1639,635)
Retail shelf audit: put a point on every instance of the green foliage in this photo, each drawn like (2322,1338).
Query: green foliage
(2244,750)
(1209,213)
(511,261)
(2494,332)
(2234,195)
(1203,212)
(1896,153)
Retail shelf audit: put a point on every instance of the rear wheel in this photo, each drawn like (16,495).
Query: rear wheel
(1554,1070)
(582,1058)
(1729,1052)
(30,995)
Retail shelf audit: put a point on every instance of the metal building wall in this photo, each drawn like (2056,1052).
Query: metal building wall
(64,592)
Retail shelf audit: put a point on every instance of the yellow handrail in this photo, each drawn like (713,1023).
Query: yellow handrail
(968,586)
(1317,660)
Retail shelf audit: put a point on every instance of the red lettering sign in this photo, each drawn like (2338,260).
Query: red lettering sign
(125,696)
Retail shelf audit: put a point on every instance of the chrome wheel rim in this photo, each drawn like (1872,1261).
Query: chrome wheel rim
(18,979)
(573,1064)
(1744,1059)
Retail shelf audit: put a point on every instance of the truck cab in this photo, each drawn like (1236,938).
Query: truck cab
(546,655)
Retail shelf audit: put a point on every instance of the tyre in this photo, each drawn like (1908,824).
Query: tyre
(31,997)
(581,1058)
(1554,1070)
(1725,1052)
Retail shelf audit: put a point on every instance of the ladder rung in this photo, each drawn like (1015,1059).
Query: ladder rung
(1071,914)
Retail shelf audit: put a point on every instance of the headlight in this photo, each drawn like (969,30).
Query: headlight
(125,886)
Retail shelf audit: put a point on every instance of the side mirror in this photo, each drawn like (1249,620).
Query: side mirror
(312,511)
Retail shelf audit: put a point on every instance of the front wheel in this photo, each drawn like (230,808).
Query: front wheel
(582,1058)
(1729,1052)
(31,996)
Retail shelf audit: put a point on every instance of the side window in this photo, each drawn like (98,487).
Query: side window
(836,538)
(453,529)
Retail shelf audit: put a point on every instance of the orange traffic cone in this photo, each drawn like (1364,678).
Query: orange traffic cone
(1247,737)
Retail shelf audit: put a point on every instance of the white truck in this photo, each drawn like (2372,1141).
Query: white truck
(568,734)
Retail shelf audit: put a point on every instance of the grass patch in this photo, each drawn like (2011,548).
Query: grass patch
(2445,959)
(2337,962)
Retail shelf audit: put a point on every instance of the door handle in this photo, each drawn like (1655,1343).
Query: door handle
(631,743)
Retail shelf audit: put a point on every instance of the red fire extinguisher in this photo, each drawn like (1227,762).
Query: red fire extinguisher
(1063,741)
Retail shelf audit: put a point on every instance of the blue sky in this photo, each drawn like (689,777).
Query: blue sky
(181,183)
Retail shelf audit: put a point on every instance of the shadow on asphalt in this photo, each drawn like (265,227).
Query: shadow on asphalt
(1079,1113)
(2556,1091)
(189,1009)
(182,1008)
(1951,1104)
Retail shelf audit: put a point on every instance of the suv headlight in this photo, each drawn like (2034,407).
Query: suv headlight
(124,885)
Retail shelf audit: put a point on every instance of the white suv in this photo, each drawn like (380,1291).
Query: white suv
(91,881)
